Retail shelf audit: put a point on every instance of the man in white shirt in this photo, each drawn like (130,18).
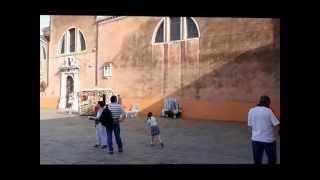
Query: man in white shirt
(265,126)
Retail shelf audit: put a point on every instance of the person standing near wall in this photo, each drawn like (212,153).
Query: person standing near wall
(117,114)
(101,134)
(264,126)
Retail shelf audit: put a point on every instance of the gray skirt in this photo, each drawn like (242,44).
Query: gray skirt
(155,130)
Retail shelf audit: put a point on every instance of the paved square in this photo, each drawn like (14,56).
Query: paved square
(69,139)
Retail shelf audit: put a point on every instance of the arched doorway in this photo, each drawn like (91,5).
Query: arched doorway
(69,86)
(70,92)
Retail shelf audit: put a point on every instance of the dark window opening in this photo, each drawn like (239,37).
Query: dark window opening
(62,45)
(160,35)
(175,28)
(192,28)
(82,42)
(72,33)
(44,53)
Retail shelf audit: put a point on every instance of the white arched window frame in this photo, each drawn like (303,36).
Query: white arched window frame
(167,30)
(186,29)
(66,36)
(43,51)
(155,32)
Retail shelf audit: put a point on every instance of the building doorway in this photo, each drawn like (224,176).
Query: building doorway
(69,86)
(70,92)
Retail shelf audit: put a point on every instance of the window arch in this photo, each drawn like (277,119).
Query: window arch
(82,42)
(62,46)
(72,41)
(160,33)
(43,55)
(175,29)
(192,28)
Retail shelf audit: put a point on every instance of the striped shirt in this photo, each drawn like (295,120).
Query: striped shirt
(116,110)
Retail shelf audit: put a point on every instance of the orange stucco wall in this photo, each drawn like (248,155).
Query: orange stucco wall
(200,109)
(49,102)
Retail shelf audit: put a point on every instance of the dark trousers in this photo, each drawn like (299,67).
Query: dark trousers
(116,129)
(258,149)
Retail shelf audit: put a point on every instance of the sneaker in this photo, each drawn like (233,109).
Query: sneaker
(96,145)
(162,145)
(120,151)
(151,145)
(110,152)
(103,147)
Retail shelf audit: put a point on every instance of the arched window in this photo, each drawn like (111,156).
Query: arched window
(63,42)
(72,41)
(44,53)
(175,29)
(175,32)
(160,34)
(82,42)
(192,30)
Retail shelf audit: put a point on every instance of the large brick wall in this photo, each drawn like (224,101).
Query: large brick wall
(218,76)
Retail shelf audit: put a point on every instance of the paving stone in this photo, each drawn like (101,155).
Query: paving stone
(69,139)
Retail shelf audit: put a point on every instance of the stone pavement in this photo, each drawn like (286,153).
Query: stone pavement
(69,139)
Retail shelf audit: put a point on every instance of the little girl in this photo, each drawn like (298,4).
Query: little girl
(154,130)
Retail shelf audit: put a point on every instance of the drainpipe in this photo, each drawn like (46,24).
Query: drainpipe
(97,34)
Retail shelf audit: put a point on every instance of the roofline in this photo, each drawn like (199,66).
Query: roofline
(110,19)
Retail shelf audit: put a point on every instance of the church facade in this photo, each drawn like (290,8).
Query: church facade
(216,68)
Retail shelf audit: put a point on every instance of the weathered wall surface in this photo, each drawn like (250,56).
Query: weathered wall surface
(239,65)
(218,76)
(127,44)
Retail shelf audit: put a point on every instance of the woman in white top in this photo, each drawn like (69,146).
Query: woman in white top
(153,130)
(101,133)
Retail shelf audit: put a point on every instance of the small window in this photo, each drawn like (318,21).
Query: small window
(192,28)
(175,28)
(82,42)
(62,45)
(107,71)
(160,35)
(72,33)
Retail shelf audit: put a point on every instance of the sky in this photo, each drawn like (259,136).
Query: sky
(44,21)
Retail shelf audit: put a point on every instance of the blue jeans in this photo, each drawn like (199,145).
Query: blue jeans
(116,129)
(258,149)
